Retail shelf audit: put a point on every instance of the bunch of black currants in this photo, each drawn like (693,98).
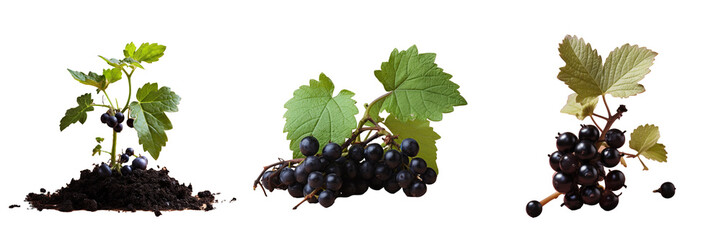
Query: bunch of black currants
(115,121)
(332,174)
(580,164)
(140,163)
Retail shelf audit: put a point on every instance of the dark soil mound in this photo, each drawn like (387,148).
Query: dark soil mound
(147,190)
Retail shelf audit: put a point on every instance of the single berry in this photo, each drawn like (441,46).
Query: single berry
(265,180)
(126,170)
(588,132)
(118,127)
(563,183)
(124,158)
(590,195)
(569,164)
(585,150)
(104,170)
(418,189)
(287,176)
(409,146)
(312,163)
(140,163)
(301,175)
(404,178)
(130,122)
(355,152)
(392,158)
(534,208)
(350,169)
(361,186)
(296,190)
(332,151)
(334,168)
(376,184)
(315,179)
(566,141)
(104,118)
(309,146)
(615,180)
(129,151)
(391,186)
(333,182)
(667,190)
(348,189)
(112,121)
(573,201)
(326,198)
(418,166)
(307,190)
(373,152)
(609,200)
(615,138)
(610,157)
(554,159)
(429,177)
(587,175)
(367,170)
(383,172)
(120,117)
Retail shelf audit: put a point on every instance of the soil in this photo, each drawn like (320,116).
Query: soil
(142,190)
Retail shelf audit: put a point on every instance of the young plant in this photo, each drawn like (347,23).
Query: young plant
(580,161)
(331,156)
(147,114)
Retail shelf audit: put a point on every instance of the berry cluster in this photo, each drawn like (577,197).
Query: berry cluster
(140,163)
(115,121)
(580,164)
(322,178)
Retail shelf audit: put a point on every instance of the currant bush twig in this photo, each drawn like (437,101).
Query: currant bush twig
(109,101)
(629,155)
(594,122)
(306,198)
(265,168)
(550,198)
(606,104)
(602,117)
(130,88)
(619,112)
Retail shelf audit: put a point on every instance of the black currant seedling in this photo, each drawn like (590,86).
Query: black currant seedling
(409,146)
(534,208)
(667,190)
(309,146)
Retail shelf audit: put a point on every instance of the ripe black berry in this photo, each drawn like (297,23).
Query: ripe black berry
(104,118)
(588,132)
(610,157)
(287,176)
(130,122)
(129,151)
(373,152)
(296,190)
(367,170)
(312,163)
(140,163)
(126,170)
(104,170)
(333,182)
(326,198)
(392,158)
(112,121)
(120,117)
(418,166)
(585,150)
(534,208)
(566,141)
(418,189)
(355,152)
(309,146)
(124,158)
(409,146)
(430,176)
(563,183)
(587,175)
(383,172)
(554,159)
(315,179)
(667,190)
(615,180)
(573,201)
(590,195)
(391,186)
(404,178)
(118,127)
(615,138)
(609,200)
(569,164)
(332,151)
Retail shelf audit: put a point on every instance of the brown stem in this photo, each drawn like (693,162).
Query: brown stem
(265,168)
(629,155)
(306,198)
(594,123)
(549,198)
(609,123)
(602,117)
(370,139)
(605,103)
(644,165)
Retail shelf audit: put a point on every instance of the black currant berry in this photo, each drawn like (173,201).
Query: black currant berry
(326,198)
(332,151)
(355,152)
(392,158)
(350,169)
(587,175)
(418,166)
(409,146)
(418,189)
(585,150)
(383,172)
(430,176)
(104,118)
(588,132)
(563,183)
(126,170)
(367,170)
(129,151)
(130,122)
(301,175)
(124,158)
(112,121)
(307,190)
(554,159)
(590,195)
(140,163)
(569,164)
(312,163)
(333,182)
(118,127)
(534,208)
(615,180)
(573,201)
(104,170)
(404,178)
(309,146)
(120,117)
(566,141)
(391,186)
(373,152)
(608,201)
(287,176)
(296,190)
(610,157)
(315,179)
(361,186)
(265,180)
(667,190)
(615,138)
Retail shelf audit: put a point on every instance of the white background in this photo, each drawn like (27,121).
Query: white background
(235,64)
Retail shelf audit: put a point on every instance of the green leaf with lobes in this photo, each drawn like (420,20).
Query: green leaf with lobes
(581,109)
(421,131)
(147,52)
(314,111)
(151,122)
(586,75)
(97,150)
(79,113)
(644,139)
(417,88)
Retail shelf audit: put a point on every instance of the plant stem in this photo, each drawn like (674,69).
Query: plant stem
(549,198)
(109,101)
(306,198)
(112,150)
(100,105)
(130,89)
(605,103)
(644,165)
(594,122)
(629,155)
(604,118)
(611,119)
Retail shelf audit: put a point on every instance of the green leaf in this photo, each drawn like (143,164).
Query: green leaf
(150,119)
(148,52)
(644,139)
(129,50)
(113,74)
(79,113)
(624,68)
(97,150)
(114,62)
(313,111)
(99,139)
(586,75)
(418,88)
(581,109)
(92,79)
(421,131)
(657,153)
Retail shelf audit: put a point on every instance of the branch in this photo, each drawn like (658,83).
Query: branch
(281,162)
(549,198)
(619,112)
(306,198)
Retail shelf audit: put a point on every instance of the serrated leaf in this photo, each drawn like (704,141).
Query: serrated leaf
(657,152)
(644,137)
(583,69)
(114,62)
(99,139)
(92,79)
(151,122)
(313,111)
(581,109)
(79,113)
(624,68)
(148,52)
(112,75)
(97,150)
(418,88)
(129,50)
(586,75)
(421,131)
